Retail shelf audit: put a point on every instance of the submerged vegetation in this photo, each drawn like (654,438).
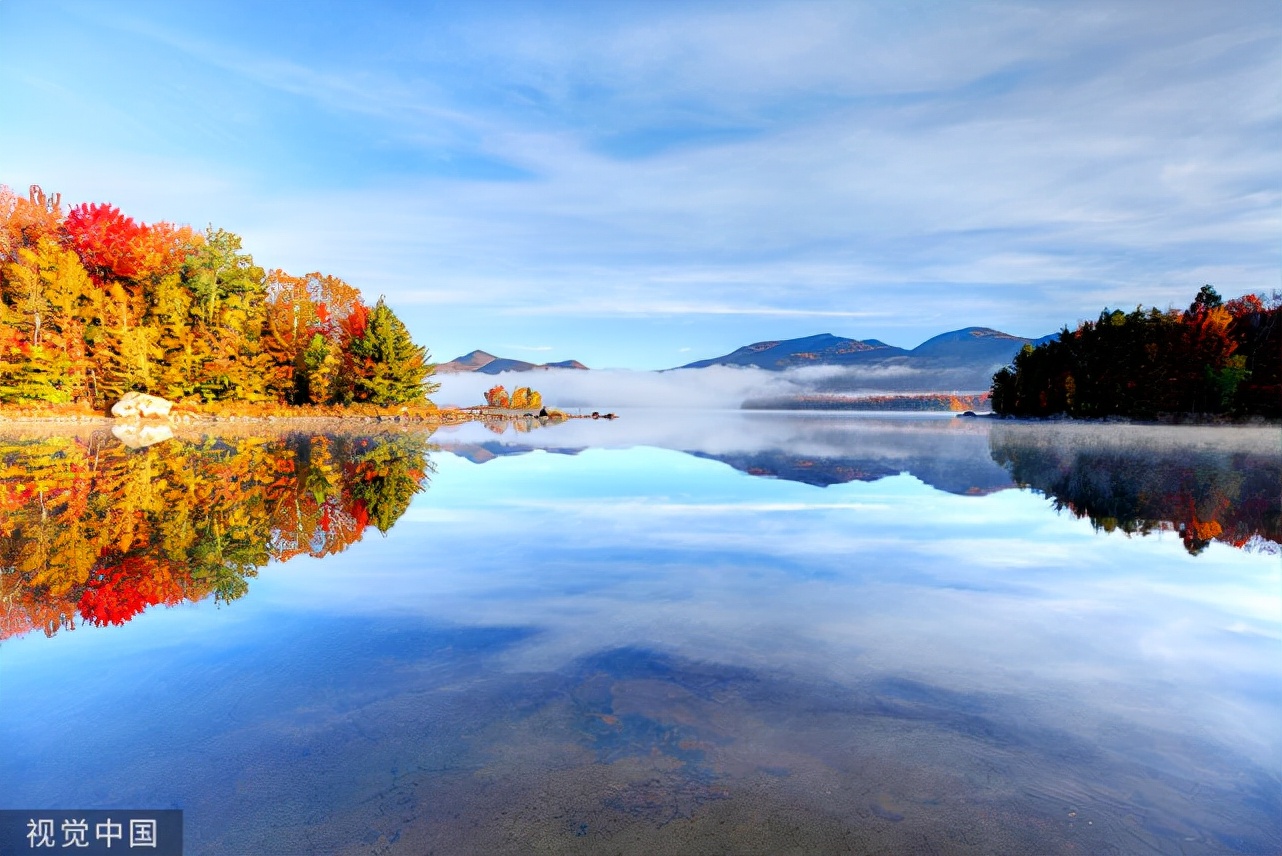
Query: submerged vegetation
(94,304)
(1214,358)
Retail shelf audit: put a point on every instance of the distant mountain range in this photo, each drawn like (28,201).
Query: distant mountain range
(959,360)
(970,345)
(483,362)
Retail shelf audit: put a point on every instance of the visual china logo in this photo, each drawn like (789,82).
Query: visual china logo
(156,832)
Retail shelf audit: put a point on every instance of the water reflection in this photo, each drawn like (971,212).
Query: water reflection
(1222,484)
(1208,485)
(631,649)
(950,455)
(96,531)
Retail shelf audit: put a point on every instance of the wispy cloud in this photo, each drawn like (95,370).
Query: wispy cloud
(762,165)
(665,308)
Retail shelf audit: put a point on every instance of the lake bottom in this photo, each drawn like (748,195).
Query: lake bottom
(637,751)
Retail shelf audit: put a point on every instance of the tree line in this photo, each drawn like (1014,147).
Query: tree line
(94,304)
(1214,358)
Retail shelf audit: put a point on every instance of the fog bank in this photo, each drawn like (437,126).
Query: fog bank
(715,387)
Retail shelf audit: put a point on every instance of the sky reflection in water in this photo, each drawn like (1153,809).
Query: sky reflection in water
(638,647)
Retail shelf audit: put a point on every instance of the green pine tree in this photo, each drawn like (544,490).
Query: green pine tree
(392,369)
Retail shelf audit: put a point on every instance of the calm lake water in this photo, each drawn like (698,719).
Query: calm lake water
(676,633)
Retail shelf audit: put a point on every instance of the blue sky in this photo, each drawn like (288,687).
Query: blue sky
(641,185)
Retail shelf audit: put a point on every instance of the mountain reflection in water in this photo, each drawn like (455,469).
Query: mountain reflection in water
(1204,483)
(94,531)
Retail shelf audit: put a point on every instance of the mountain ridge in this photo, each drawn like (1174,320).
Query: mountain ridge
(970,353)
(967,344)
(483,362)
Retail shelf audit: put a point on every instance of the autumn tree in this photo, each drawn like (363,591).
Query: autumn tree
(496,396)
(524,398)
(1203,493)
(111,246)
(94,303)
(310,324)
(1148,362)
(24,221)
(227,304)
(289,314)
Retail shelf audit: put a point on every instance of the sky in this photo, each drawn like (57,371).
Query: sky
(641,185)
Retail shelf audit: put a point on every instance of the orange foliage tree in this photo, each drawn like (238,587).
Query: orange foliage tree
(497,396)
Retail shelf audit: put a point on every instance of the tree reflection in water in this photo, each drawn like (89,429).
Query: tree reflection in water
(93,532)
(1215,484)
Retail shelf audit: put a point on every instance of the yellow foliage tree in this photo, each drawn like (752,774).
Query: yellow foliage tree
(524,398)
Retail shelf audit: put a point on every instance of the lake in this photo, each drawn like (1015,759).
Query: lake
(694,632)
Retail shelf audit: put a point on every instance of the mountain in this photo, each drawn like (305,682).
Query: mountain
(466,363)
(824,349)
(971,343)
(959,360)
(481,453)
(486,363)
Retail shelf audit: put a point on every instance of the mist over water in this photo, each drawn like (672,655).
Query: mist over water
(724,387)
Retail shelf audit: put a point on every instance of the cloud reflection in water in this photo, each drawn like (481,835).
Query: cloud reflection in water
(637,647)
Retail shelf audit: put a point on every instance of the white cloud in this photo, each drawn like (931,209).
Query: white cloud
(1012,165)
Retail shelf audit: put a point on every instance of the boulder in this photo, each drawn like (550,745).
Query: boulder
(140,405)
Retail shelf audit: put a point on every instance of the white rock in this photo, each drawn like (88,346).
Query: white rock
(133,405)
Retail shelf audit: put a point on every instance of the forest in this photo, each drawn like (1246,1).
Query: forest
(1215,358)
(94,304)
(94,533)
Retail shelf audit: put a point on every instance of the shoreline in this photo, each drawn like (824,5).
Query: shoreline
(1192,420)
(190,425)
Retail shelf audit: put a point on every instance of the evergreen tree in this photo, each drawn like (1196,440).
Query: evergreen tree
(390,368)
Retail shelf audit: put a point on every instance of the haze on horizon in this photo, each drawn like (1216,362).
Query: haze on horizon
(641,185)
